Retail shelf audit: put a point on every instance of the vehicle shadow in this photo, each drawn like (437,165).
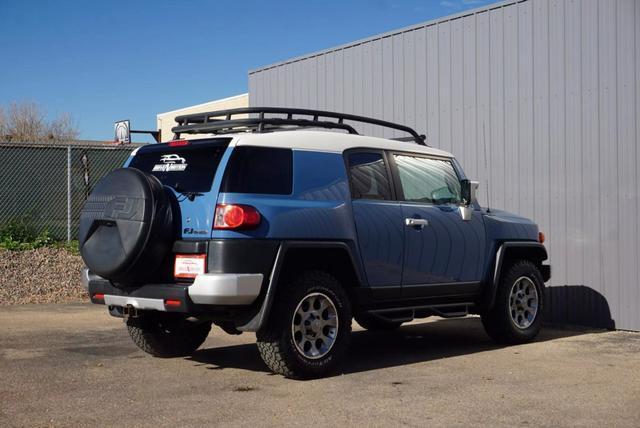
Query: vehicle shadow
(376,350)
(577,305)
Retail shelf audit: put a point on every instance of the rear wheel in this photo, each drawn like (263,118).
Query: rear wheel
(516,316)
(309,328)
(373,323)
(162,335)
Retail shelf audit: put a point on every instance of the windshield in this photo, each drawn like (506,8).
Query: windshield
(189,168)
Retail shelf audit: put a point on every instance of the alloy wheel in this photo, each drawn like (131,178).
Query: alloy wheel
(523,302)
(314,326)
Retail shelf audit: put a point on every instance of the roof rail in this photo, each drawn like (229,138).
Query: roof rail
(222,122)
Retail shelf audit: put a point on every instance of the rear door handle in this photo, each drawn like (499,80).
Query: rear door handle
(416,222)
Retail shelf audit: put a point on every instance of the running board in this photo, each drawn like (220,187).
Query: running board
(452,312)
(406,314)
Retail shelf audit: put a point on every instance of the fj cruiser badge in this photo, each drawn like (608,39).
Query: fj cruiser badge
(192,231)
(170,163)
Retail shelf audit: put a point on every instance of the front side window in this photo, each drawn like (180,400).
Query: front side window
(368,176)
(427,180)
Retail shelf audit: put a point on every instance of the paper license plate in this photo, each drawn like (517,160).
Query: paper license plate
(189,265)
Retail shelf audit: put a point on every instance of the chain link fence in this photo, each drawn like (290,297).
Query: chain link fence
(44,186)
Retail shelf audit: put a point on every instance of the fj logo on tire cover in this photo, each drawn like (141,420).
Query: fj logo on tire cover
(121,208)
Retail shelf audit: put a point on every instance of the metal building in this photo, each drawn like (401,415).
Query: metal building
(549,90)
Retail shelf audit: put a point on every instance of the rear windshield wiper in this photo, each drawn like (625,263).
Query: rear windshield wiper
(191,195)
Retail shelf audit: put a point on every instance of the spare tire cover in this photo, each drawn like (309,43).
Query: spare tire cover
(126,226)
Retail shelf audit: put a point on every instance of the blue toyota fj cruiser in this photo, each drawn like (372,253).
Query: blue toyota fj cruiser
(262,225)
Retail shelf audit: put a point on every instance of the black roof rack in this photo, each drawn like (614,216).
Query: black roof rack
(222,122)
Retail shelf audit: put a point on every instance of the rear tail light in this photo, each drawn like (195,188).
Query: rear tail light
(98,297)
(172,303)
(236,217)
(541,237)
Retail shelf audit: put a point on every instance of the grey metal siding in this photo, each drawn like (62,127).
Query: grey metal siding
(549,90)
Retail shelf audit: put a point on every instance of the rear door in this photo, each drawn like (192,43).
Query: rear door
(189,168)
(378,220)
(443,254)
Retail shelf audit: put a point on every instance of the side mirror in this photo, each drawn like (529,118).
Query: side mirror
(469,191)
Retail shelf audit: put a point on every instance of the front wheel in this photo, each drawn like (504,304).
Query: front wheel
(516,316)
(309,328)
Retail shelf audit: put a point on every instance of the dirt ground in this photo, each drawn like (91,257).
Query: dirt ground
(73,365)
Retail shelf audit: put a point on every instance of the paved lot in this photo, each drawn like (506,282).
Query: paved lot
(75,365)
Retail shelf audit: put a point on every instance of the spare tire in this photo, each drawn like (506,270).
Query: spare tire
(126,226)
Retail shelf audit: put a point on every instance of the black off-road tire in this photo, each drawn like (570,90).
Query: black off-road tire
(498,322)
(166,336)
(276,340)
(372,323)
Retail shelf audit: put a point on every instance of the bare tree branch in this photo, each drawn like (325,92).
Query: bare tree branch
(25,122)
(62,129)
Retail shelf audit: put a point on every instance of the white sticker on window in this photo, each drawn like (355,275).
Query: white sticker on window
(170,163)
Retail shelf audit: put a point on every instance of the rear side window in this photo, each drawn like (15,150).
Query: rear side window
(189,168)
(261,170)
(368,176)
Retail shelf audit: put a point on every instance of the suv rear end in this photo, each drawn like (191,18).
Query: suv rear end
(197,273)
(187,234)
(231,204)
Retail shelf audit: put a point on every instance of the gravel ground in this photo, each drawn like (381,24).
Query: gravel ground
(45,275)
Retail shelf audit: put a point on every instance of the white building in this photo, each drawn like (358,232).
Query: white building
(166,121)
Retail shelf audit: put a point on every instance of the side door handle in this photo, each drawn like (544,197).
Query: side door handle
(418,223)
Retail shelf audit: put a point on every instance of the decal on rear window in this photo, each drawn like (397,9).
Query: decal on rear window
(170,163)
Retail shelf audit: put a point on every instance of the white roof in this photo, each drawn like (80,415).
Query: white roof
(323,141)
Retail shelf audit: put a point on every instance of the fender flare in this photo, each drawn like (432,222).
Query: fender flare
(257,322)
(503,250)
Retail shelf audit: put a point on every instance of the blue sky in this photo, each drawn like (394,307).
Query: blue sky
(102,61)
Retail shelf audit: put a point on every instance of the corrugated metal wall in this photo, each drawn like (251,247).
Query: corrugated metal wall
(552,87)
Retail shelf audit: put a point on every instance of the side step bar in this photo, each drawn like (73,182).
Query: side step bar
(406,314)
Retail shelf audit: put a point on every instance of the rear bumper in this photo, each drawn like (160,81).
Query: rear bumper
(217,289)
(225,288)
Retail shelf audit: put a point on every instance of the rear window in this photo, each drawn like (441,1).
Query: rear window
(189,168)
(261,170)
(368,175)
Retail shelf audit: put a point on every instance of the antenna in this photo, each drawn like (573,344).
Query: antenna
(486,167)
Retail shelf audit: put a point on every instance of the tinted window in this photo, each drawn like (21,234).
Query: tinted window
(368,176)
(187,168)
(262,170)
(428,180)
